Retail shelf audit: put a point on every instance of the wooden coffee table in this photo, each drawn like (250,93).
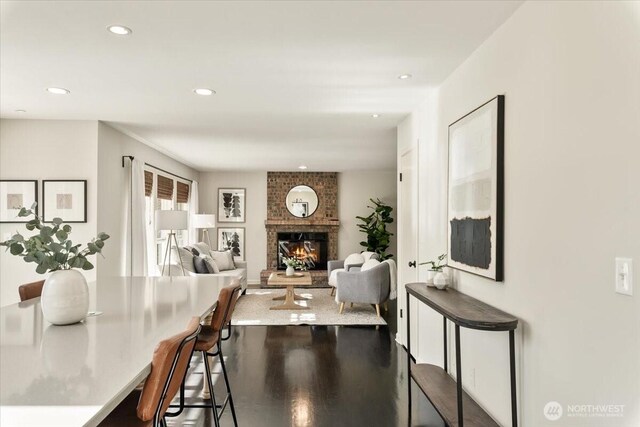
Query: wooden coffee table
(300,279)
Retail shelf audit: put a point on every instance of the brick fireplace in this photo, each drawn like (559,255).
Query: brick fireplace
(279,220)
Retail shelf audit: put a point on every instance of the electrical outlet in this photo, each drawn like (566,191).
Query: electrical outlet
(624,276)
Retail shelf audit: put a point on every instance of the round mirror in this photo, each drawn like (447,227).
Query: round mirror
(302,201)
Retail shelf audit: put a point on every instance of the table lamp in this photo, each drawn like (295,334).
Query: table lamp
(171,221)
(204,222)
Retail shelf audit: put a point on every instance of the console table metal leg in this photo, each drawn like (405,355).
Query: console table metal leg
(408,360)
(459,377)
(444,333)
(512,369)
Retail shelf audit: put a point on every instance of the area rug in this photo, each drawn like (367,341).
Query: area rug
(253,309)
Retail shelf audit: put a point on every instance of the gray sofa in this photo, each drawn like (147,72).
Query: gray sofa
(371,286)
(239,272)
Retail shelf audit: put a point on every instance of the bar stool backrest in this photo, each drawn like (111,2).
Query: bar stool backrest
(232,304)
(30,290)
(168,368)
(226,303)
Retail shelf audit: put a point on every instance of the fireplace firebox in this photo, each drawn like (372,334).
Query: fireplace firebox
(310,248)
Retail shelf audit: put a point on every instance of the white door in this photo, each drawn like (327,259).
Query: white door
(407,242)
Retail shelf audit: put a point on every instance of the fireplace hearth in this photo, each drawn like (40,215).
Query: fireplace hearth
(308,247)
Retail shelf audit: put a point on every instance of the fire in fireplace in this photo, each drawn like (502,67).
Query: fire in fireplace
(310,248)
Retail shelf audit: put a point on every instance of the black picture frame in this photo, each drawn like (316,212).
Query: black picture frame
(15,219)
(475,243)
(232,204)
(45,202)
(237,251)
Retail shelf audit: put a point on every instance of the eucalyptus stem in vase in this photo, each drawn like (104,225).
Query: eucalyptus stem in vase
(65,296)
(293,264)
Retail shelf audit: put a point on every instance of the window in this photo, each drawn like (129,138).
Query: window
(163,192)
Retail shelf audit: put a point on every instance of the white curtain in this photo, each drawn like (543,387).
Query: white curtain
(193,209)
(136,228)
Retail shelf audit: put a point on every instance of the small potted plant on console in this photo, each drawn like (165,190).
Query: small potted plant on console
(435,275)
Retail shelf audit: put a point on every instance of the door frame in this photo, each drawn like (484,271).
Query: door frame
(401,314)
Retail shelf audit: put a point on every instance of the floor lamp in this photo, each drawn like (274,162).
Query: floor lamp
(171,221)
(204,222)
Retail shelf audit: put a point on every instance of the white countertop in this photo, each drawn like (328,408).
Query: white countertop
(75,375)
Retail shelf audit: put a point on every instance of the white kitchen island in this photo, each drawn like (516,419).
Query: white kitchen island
(75,375)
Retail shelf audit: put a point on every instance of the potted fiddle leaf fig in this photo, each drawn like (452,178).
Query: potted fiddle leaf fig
(65,296)
(374,226)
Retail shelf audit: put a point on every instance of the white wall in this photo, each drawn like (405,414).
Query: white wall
(255,234)
(569,71)
(355,188)
(46,149)
(112,188)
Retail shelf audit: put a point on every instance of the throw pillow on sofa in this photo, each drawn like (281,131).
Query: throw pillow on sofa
(202,248)
(200,265)
(224,260)
(212,267)
(186,257)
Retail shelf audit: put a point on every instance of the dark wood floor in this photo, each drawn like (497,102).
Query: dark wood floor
(314,376)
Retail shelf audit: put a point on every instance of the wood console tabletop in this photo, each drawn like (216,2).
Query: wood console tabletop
(462,309)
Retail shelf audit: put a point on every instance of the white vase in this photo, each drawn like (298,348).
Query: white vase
(441,280)
(65,297)
(430,275)
(290,271)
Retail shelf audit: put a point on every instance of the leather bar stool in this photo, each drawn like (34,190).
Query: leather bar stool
(211,336)
(168,368)
(30,290)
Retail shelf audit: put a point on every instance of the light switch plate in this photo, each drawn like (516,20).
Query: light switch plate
(624,276)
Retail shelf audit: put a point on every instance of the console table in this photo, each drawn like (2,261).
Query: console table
(454,405)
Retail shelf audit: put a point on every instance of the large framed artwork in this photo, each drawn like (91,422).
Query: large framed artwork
(231,204)
(476,191)
(16,194)
(66,199)
(232,239)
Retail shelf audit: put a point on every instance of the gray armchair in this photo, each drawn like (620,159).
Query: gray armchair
(337,266)
(371,286)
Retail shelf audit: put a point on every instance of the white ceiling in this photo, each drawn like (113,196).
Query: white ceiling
(296,82)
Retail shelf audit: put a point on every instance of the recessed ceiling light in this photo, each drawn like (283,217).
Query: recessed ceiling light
(302,167)
(404,76)
(21,111)
(58,90)
(375,116)
(204,91)
(119,30)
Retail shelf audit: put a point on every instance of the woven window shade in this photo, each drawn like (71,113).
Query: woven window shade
(165,188)
(182,195)
(148,183)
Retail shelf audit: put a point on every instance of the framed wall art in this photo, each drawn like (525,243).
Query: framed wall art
(476,191)
(231,204)
(66,199)
(15,194)
(232,239)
